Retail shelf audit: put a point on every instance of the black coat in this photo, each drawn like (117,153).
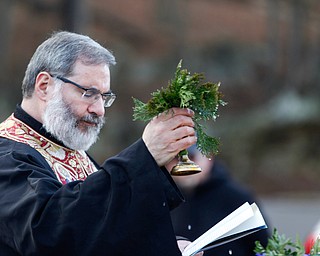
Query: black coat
(209,203)
(122,209)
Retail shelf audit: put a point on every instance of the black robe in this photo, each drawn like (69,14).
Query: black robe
(122,209)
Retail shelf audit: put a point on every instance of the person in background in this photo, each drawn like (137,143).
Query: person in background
(210,196)
(54,198)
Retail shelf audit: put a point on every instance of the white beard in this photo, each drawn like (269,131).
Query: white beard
(63,124)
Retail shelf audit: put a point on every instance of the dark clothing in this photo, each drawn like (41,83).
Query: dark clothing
(208,204)
(122,209)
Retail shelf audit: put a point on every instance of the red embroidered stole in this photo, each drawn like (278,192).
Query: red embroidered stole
(68,165)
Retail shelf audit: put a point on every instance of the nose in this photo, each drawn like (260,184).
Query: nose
(97,107)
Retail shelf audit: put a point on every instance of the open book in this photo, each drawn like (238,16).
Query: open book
(241,222)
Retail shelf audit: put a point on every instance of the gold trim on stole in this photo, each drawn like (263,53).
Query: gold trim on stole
(68,165)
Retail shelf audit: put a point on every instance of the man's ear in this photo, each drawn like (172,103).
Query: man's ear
(42,85)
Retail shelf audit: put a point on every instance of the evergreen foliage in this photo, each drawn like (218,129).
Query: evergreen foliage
(280,245)
(186,91)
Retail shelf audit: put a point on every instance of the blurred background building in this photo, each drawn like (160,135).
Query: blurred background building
(265,53)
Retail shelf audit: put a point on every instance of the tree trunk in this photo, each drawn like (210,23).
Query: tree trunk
(74,15)
(6,7)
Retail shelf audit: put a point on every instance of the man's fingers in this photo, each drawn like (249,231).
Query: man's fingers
(169,133)
(182,132)
(175,112)
(173,122)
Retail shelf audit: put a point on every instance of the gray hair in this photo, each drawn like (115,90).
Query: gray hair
(58,54)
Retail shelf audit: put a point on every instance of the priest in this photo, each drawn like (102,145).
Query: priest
(54,198)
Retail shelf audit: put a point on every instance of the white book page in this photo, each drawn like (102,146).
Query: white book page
(226,225)
(251,223)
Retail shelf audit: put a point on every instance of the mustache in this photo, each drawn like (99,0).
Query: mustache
(92,118)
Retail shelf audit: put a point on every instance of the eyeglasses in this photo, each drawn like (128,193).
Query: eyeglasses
(91,95)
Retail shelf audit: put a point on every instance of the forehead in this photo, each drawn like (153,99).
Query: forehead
(96,76)
(81,69)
